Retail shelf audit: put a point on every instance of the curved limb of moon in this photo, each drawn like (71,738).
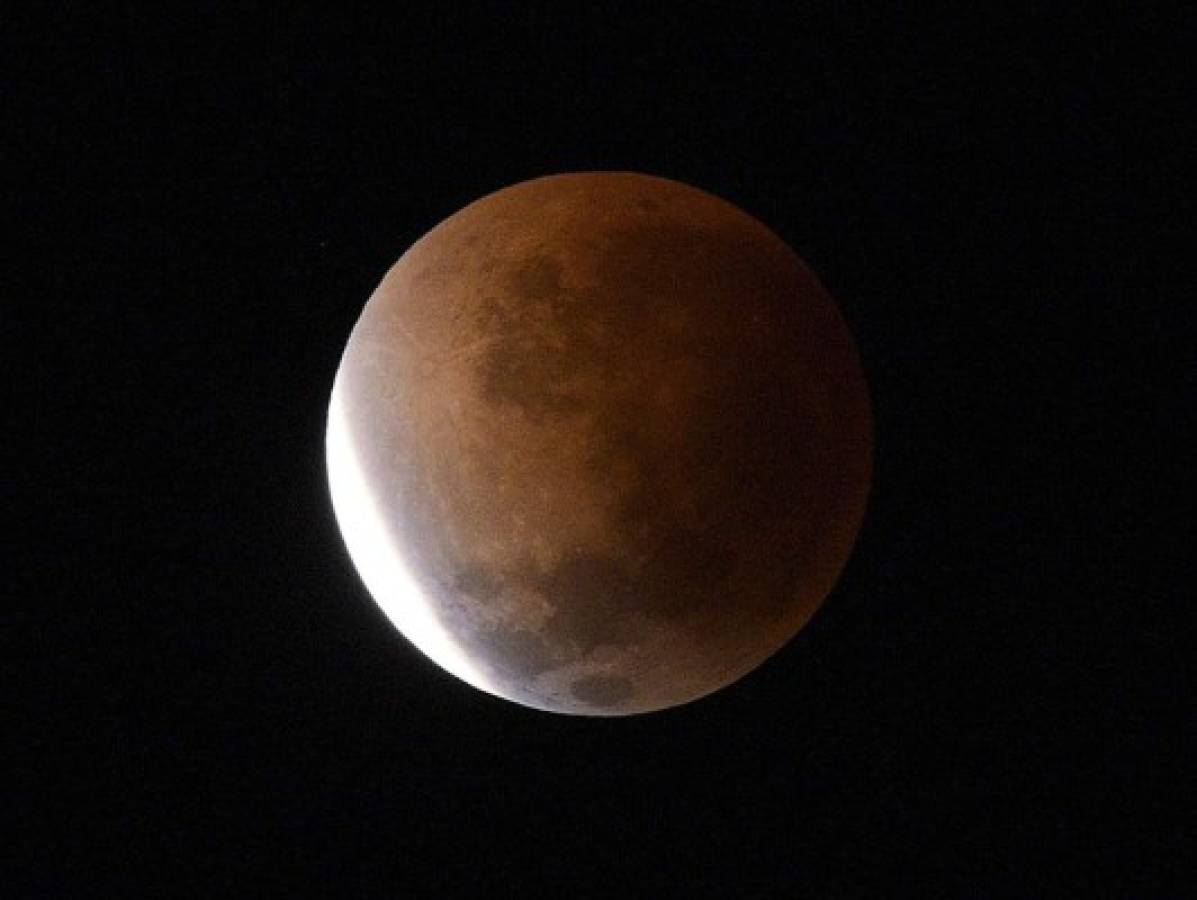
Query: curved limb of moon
(379,562)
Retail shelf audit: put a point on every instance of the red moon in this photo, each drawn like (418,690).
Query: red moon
(600,443)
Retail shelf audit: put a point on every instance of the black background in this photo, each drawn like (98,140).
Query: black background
(208,702)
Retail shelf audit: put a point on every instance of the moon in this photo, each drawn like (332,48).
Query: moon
(599,444)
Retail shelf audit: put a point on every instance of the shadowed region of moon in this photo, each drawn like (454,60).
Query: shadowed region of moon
(599,443)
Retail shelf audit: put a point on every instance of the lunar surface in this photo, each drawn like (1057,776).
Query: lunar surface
(599,444)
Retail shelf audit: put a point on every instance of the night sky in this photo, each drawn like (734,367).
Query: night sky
(208,703)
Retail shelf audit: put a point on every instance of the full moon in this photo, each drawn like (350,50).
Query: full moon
(599,443)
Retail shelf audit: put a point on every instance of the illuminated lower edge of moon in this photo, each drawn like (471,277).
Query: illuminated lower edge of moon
(385,573)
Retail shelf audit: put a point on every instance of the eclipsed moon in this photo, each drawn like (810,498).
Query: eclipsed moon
(600,443)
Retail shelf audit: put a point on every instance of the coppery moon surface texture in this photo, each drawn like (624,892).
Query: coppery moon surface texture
(600,443)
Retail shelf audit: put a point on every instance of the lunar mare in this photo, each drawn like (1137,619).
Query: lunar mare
(599,443)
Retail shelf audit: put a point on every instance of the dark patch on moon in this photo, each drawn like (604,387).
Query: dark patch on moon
(535,280)
(602,690)
(686,570)
(478,582)
(536,345)
(593,597)
(516,652)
